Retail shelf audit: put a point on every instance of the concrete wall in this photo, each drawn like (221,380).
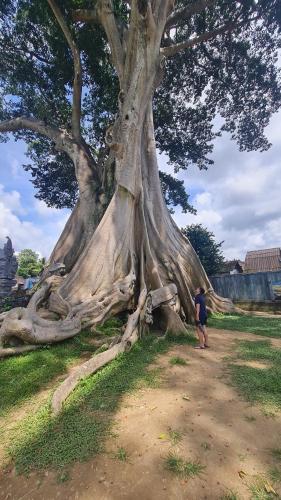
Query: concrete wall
(256,286)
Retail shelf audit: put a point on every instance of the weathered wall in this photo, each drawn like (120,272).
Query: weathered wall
(256,286)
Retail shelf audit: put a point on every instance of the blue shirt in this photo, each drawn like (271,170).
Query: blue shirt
(200,299)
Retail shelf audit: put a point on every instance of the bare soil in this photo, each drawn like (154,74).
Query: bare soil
(231,438)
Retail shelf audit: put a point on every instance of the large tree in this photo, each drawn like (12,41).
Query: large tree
(30,263)
(94,91)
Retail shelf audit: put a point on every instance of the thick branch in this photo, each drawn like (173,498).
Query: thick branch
(181,16)
(55,134)
(104,14)
(86,15)
(77,83)
(191,42)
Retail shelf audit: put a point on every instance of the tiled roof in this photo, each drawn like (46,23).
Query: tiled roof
(263,260)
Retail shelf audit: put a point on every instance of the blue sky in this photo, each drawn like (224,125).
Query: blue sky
(239,198)
(28,221)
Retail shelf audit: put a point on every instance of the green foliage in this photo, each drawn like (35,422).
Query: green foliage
(180,467)
(174,193)
(6,304)
(258,325)
(260,385)
(204,244)
(29,263)
(233,75)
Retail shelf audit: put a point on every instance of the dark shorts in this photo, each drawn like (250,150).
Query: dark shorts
(201,322)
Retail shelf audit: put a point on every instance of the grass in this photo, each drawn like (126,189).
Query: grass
(276,453)
(180,467)
(42,441)
(259,385)
(260,489)
(175,436)
(250,418)
(121,454)
(275,475)
(206,446)
(231,495)
(177,360)
(23,376)
(63,476)
(258,325)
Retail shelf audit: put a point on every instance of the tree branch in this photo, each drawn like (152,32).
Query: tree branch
(104,14)
(57,135)
(180,16)
(174,49)
(86,15)
(77,83)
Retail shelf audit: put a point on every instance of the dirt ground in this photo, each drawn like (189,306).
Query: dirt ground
(195,400)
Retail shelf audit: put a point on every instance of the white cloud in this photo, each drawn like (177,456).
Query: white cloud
(43,209)
(239,196)
(12,200)
(40,236)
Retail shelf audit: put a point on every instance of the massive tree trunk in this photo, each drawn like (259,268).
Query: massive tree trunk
(132,257)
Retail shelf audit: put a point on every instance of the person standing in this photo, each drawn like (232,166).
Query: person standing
(201,318)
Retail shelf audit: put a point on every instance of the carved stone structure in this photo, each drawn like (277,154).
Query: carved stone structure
(8,268)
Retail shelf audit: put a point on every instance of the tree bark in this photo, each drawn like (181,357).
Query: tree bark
(130,256)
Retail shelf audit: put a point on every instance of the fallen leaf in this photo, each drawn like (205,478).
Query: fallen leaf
(242,474)
(268,488)
(163,437)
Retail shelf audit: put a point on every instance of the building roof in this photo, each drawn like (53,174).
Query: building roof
(230,265)
(263,260)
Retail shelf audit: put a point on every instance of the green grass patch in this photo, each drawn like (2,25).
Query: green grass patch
(180,467)
(175,436)
(21,377)
(230,495)
(177,360)
(260,489)
(276,453)
(258,325)
(259,385)
(79,432)
(275,475)
(121,454)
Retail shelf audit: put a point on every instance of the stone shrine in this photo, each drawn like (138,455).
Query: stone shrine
(8,269)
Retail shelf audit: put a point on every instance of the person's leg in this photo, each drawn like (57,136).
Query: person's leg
(206,336)
(200,336)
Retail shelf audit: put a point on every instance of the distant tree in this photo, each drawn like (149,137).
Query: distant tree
(207,249)
(30,263)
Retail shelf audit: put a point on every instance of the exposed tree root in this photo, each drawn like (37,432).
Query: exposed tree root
(14,351)
(26,325)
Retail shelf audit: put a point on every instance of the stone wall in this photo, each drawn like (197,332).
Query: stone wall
(254,287)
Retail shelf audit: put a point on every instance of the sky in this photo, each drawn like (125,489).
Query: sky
(238,198)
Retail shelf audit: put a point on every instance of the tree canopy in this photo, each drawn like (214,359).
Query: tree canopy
(219,59)
(30,263)
(206,247)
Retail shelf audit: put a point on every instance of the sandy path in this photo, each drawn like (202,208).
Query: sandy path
(212,422)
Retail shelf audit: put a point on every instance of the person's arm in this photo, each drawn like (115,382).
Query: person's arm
(197,311)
